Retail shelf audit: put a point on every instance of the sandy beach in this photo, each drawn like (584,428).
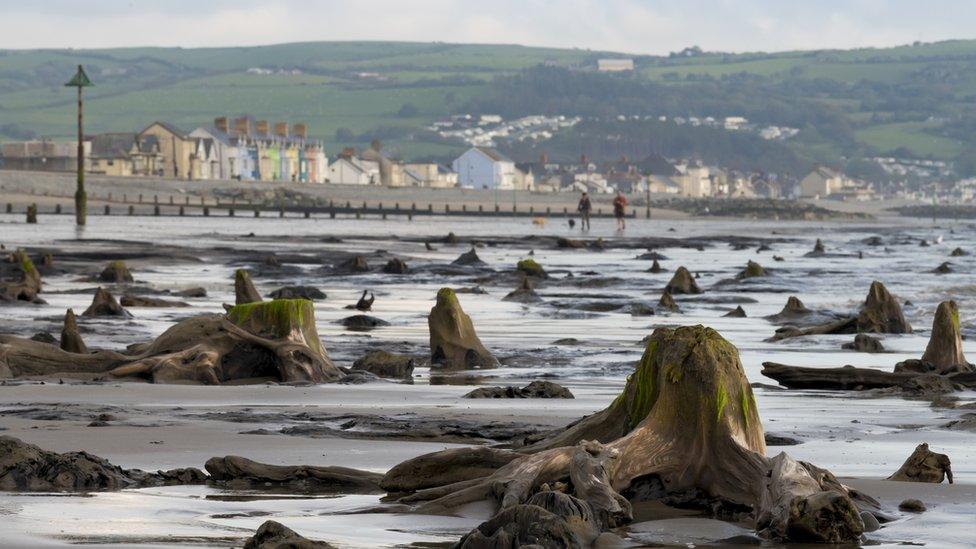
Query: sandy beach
(861,437)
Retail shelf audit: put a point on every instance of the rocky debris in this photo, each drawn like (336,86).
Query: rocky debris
(430,247)
(385,364)
(396,266)
(943,354)
(752,270)
(353,265)
(531,268)
(923,243)
(524,293)
(958,252)
(641,309)
(773,439)
(566,341)
(881,313)
(451,238)
(310,293)
(115,272)
(668,303)
(362,323)
(28,282)
(235,471)
(536,389)
(912,505)
(924,465)
(778,258)
(271,260)
(469,258)
(191,292)
(274,535)
(864,343)
(44,337)
(763,248)
(26,468)
(682,283)
(569,243)
(873,241)
(944,268)
(71,340)
(652,255)
(244,290)
(454,345)
(655,268)
(132,300)
(104,304)
(738,312)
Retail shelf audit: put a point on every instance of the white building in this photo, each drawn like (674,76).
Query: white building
(485,168)
(354,171)
(821,182)
(694,181)
(614,65)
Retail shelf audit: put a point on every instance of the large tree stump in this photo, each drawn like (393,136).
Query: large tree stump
(686,423)
(115,272)
(454,345)
(105,304)
(943,354)
(682,283)
(28,282)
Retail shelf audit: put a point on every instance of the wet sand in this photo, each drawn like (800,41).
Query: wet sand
(159,426)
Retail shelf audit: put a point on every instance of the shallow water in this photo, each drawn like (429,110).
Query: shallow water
(850,434)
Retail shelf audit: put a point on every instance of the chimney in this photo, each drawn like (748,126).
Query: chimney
(583,160)
(300,130)
(348,152)
(221,123)
(261,127)
(544,158)
(281,129)
(242,126)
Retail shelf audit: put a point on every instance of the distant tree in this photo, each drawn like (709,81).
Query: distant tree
(345,135)
(376,145)
(408,110)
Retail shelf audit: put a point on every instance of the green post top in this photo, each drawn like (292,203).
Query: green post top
(80,79)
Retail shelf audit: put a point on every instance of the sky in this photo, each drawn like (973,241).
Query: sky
(632,26)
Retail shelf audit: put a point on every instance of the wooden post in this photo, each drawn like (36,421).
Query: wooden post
(108,210)
(156,209)
(206,211)
(57,209)
(81,199)
(132,210)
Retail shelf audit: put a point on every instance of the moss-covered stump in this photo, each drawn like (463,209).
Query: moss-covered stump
(943,354)
(682,283)
(752,270)
(454,345)
(32,213)
(667,303)
(531,267)
(116,272)
(818,247)
(244,290)
(924,465)
(27,283)
(881,313)
(71,340)
(685,426)
(105,304)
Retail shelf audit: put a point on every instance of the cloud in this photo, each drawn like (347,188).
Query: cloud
(638,26)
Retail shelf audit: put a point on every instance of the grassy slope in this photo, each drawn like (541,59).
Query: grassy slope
(190,86)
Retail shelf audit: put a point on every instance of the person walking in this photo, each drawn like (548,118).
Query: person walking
(620,210)
(584,208)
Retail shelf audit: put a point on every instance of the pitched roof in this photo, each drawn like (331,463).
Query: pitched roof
(657,165)
(119,145)
(492,154)
(169,127)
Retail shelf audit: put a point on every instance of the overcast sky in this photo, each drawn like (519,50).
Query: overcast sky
(637,26)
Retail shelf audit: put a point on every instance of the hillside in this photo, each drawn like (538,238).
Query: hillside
(910,101)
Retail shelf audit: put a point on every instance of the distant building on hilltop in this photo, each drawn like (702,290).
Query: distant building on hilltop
(614,65)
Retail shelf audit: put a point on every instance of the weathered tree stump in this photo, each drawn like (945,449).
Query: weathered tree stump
(454,345)
(71,340)
(924,465)
(682,283)
(28,283)
(244,290)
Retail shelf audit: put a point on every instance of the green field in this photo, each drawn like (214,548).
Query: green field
(887,97)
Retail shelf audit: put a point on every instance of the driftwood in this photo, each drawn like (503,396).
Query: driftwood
(686,423)
(880,314)
(238,471)
(274,340)
(941,369)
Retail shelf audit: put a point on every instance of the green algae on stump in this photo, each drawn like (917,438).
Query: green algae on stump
(530,267)
(454,345)
(116,272)
(29,285)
